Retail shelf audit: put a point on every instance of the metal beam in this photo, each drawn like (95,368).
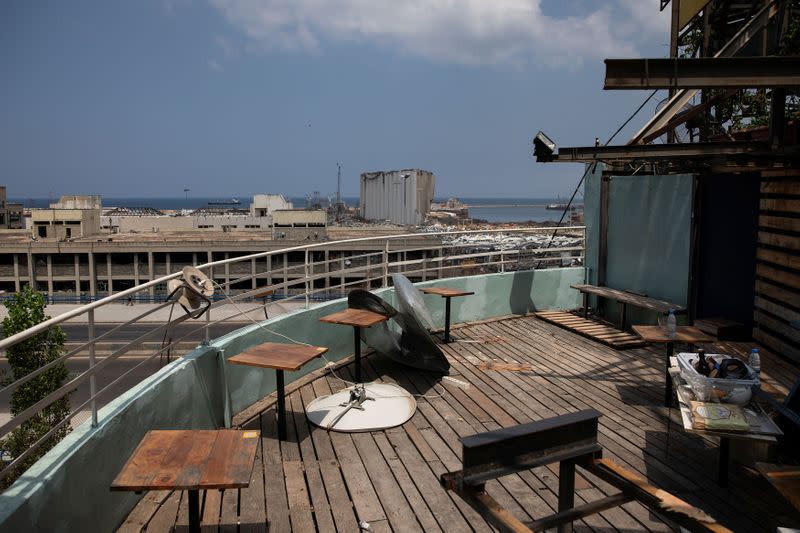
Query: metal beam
(703,72)
(676,102)
(658,151)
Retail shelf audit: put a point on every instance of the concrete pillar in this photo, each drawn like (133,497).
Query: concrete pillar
(424,265)
(168,260)
(285,269)
(50,275)
(92,276)
(17,287)
(227,275)
(368,275)
(210,273)
(77,260)
(194,258)
(31,269)
(136,268)
(253,284)
(327,275)
(150,273)
(110,277)
(341,274)
(269,270)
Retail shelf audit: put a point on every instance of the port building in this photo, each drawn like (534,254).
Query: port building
(399,196)
(72,216)
(10,213)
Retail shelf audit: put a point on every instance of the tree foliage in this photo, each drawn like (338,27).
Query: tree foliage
(26,310)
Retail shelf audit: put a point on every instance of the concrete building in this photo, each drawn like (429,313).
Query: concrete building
(264,204)
(212,218)
(70,217)
(93,267)
(10,213)
(300,224)
(159,223)
(399,196)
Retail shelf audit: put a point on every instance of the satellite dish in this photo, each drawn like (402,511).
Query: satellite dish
(191,290)
(362,407)
(410,300)
(412,346)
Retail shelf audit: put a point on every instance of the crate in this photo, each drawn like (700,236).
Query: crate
(737,391)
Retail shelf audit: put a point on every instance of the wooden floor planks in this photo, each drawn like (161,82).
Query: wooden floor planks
(608,335)
(321,481)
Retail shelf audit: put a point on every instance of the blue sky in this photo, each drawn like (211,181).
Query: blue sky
(234,97)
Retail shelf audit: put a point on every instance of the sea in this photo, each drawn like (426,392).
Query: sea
(489,209)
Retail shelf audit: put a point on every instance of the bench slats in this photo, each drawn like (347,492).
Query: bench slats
(645,302)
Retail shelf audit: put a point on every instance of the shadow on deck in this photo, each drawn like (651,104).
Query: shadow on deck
(390,479)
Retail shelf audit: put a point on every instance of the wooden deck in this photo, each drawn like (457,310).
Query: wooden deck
(390,479)
(610,336)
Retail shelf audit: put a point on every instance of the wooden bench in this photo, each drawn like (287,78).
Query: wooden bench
(569,440)
(625,298)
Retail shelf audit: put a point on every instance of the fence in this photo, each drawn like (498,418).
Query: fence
(419,256)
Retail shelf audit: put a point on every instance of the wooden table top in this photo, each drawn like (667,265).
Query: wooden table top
(278,355)
(445,292)
(657,334)
(190,460)
(786,479)
(362,318)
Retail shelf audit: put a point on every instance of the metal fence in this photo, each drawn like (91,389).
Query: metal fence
(419,256)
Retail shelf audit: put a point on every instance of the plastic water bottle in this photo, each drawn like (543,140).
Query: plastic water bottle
(755,362)
(672,324)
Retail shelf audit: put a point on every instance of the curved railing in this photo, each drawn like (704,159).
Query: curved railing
(365,262)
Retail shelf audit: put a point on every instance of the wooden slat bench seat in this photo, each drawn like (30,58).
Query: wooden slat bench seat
(607,335)
(616,338)
(625,298)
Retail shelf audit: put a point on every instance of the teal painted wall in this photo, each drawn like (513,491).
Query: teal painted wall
(649,221)
(591,217)
(68,489)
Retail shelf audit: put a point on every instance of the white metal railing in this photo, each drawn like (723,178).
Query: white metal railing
(434,255)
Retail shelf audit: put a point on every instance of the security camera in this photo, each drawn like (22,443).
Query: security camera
(543,148)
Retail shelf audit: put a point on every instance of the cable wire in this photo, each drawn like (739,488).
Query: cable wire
(592,168)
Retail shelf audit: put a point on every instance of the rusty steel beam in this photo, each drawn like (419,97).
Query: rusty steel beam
(584,154)
(703,73)
(677,101)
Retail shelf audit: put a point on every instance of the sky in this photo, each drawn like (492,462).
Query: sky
(236,97)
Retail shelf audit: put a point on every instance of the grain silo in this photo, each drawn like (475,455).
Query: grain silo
(399,196)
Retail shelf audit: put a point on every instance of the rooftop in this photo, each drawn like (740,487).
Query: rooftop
(326,481)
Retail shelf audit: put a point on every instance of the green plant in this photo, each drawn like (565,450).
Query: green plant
(26,310)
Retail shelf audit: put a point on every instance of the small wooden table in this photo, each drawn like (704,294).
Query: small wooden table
(762,428)
(190,460)
(358,318)
(280,357)
(658,335)
(446,293)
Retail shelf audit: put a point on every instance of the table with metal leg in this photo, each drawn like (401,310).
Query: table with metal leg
(762,428)
(446,293)
(280,357)
(219,459)
(658,335)
(357,318)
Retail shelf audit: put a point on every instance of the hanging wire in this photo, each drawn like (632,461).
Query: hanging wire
(329,365)
(591,168)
